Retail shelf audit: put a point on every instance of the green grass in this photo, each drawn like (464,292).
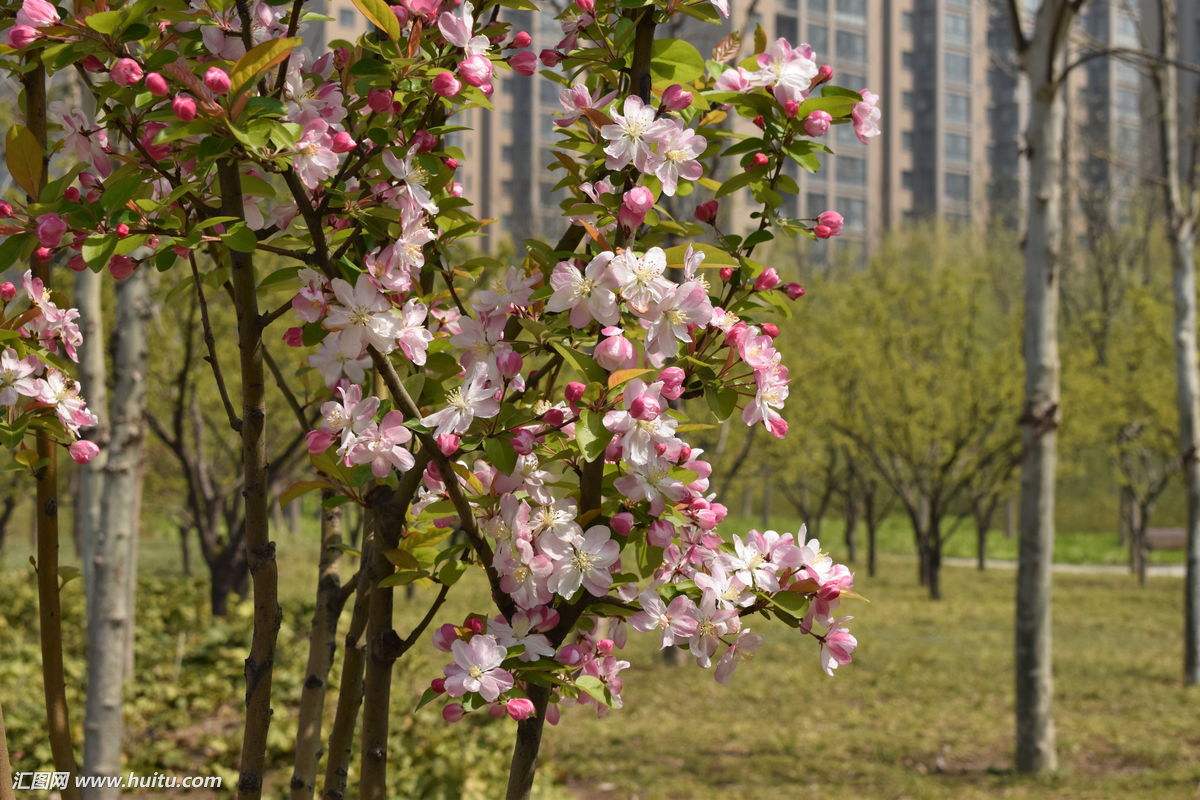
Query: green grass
(924,712)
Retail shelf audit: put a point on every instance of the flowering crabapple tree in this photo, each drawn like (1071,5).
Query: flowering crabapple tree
(526,419)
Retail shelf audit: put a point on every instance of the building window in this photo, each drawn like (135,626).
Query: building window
(906,140)
(906,21)
(851,46)
(820,6)
(854,212)
(844,134)
(908,100)
(958,67)
(958,147)
(818,38)
(851,170)
(958,187)
(815,203)
(958,107)
(346,17)
(548,92)
(906,179)
(1127,29)
(854,10)
(850,80)
(1127,101)
(957,29)
(787,27)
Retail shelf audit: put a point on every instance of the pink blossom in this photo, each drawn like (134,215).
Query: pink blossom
(677,621)
(634,206)
(37,14)
(125,72)
(21,36)
(476,70)
(453,712)
(382,446)
(787,71)
(157,84)
(741,649)
(476,668)
(446,85)
(582,560)
(443,638)
(313,157)
(711,624)
(614,352)
(520,708)
(522,632)
(669,321)
(50,229)
(585,293)
(363,314)
(837,646)
(184,107)
(631,134)
(734,79)
(829,223)
(866,116)
(676,98)
(576,100)
(817,123)
(639,437)
(17,377)
(640,278)
(675,156)
(217,80)
(410,332)
(524,63)
(767,280)
(475,398)
(83,451)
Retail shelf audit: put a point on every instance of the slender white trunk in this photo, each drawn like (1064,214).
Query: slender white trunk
(109,616)
(1181,208)
(93,380)
(1041,57)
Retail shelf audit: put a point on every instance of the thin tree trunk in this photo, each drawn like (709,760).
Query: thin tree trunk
(6,779)
(93,383)
(872,529)
(109,616)
(981,535)
(350,691)
(321,646)
(58,724)
(260,550)
(377,678)
(1181,202)
(935,561)
(528,743)
(851,529)
(185,550)
(1040,56)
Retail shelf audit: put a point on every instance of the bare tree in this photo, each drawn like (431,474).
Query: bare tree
(1040,54)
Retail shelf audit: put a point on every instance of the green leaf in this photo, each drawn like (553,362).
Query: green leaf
(11,248)
(97,250)
(501,454)
(591,435)
(298,489)
(594,688)
(281,275)
(721,400)
(585,364)
(23,155)
(380,15)
(258,58)
(402,578)
(240,238)
(675,61)
(105,22)
(744,178)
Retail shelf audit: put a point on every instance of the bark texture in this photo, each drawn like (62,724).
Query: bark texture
(321,646)
(260,550)
(1041,55)
(6,787)
(110,611)
(93,383)
(1178,174)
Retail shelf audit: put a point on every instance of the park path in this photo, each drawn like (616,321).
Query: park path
(1154,571)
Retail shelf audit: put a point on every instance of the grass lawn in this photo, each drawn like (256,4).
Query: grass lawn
(924,712)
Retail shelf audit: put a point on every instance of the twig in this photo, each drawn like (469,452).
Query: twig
(210,343)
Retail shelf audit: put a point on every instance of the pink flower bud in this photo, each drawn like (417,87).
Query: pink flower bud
(475,69)
(672,378)
(20,36)
(778,427)
(621,523)
(605,647)
(791,107)
(832,221)
(509,363)
(71,194)
(824,74)
(6,209)
(794,291)
(342,142)
(92,64)
(817,123)
(445,636)
(573,392)
(456,189)
(121,267)
(449,443)
(586,6)
(379,100)
(451,163)
(613,450)
(524,62)
(43,254)
(645,408)
(523,441)
(50,229)
(7,291)
(521,39)
(83,451)
(615,352)
(438,685)
(707,211)
(157,84)
(737,334)
(550,58)
(554,417)
(125,72)
(634,205)
(37,14)
(184,107)
(293,337)
(474,624)
(453,712)
(770,329)
(660,533)
(424,141)
(446,85)
(768,279)
(122,230)
(725,274)
(571,655)
(676,98)
(217,80)
(761,160)
(520,708)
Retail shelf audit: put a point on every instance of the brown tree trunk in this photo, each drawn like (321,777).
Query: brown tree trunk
(260,550)
(6,779)
(321,648)
(350,690)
